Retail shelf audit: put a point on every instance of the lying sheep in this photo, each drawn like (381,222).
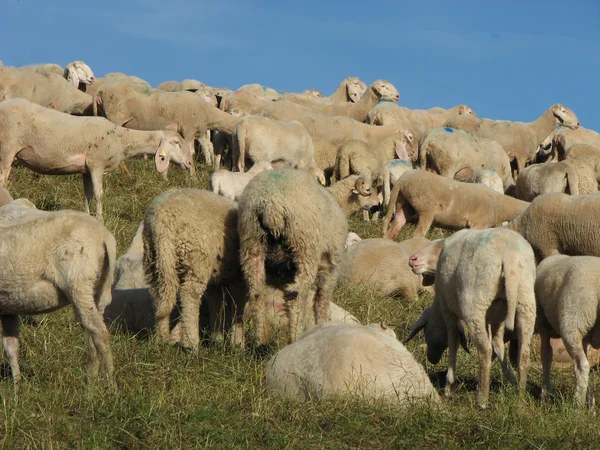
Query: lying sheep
(383,265)
(539,179)
(457,154)
(61,257)
(258,138)
(560,223)
(489,178)
(231,184)
(56,143)
(349,359)
(486,278)
(569,305)
(285,241)
(190,243)
(446,203)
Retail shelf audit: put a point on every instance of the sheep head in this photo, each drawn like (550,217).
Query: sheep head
(385,91)
(564,116)
(314,93)
(351,239)
(404,146)
(464,109)
(173,147)
(79,72)
(355,89)
(424,261)
(207,95)
(363,186)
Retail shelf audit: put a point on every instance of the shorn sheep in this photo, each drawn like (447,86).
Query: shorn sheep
(190,244)
(51,142)
(292,232)
(486,278)
(569,304)
(60,257)
(231,184)
(352,360)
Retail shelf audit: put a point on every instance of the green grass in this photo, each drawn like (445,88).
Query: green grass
(167,398)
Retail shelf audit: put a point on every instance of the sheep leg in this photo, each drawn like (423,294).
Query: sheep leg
(88,190)
(581,367)
(326,281)
(10,341)
(525,332)
(254,268)
(546,364)
(400,219)
(125,169)
(190,294)
(96,181)
(366,215)
(498,348)
(484,350)
(425,222)
(298,297)
(450,319)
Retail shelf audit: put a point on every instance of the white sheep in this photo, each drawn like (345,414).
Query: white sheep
(61,257)
(231,184)
(539,179)
(349,359)
(569,304)
(489,178)
(486,278)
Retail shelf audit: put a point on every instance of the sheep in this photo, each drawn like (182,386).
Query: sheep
(190,243)
(447,204)
(485,278)
(222,140)
(351,239)
(257,138)
(45,89)
(5,196)
(230,185)
(267,93)
(457,154)
(569,305)
(244,100)
(282,233)
(521,140)
(560,223)
(382,264)
(354,194)
(566,137)
(55,143)
(325,152)
(334,128)
(92,89)
(78,73)
(185,85)
(391,172)
(313,92)
(340,359)
(585,161)
(349,90)
(60,257)
(539,179)
(489,178)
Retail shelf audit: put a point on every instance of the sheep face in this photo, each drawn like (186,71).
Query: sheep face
(314,93)
(385,91)
(206,95)
(79,72)
(174,148)
(352,238)
(425,260)
(464,109)
(565,117)
(404,146)
(355,89)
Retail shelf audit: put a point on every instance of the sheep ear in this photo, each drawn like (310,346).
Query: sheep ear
(173,127)
(384,325)
(71,76)
(161,159)
(354,191)
(401,151)
(418,326)
(462,337)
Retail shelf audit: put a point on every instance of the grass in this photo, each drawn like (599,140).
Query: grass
(167,398)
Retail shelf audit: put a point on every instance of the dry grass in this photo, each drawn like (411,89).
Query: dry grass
(167,398)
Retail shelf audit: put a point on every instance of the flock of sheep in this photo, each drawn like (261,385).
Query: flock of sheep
(270,243)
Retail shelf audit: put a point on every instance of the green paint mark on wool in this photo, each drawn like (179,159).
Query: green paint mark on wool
(274,175)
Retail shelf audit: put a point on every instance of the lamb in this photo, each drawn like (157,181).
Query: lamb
(45,89)
(282,234)
(190,244)
(489,178)
(391,172)
(521,140)
(569,306)
(447,204)
(337,129)
(539,179)
(349,359)
(457,154)
(230,185)
(485,278)
(560,223)
(61,257)
(258,138)
(354,194)
(51,142)
(382,264)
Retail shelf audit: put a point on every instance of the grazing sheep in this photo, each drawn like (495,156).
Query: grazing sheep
(489,178)
(560,223)
(521,140)
(391,172)
(457,154)
(383,265)
(282,234)
(190,243)
(61,257)
(539,179)
(569,305)
(447,204)
(45,89)
(349,359)
(51,142)
(230,185)
(256,138)
(486,279)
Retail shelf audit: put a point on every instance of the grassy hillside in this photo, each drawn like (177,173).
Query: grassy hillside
(167,398)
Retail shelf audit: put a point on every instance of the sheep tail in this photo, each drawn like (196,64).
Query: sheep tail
(342,164)
(511,285)
(572,181)
(103,295)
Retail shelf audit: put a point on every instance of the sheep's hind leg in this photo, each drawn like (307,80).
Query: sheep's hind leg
(298,297)
(483,341)
(425,222)
(547,387)
(581,367)
(498,348)
(10,341)
(326,281)
(191,292)
(254,271)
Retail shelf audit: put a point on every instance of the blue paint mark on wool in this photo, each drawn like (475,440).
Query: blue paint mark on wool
(449,130)
(400,162)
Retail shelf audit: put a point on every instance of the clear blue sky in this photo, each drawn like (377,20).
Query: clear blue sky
(506,59)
